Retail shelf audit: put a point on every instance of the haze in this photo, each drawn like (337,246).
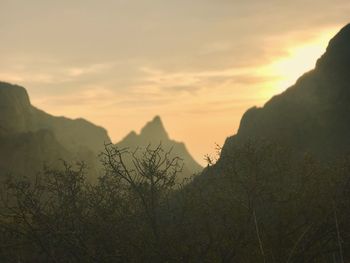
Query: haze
(198,64)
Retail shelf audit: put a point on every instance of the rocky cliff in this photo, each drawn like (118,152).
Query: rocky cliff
(311,116)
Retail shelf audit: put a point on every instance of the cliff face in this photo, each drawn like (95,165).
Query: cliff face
(15,109)
(30,137)
(154,133)
(311,116)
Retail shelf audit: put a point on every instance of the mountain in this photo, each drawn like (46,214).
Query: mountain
(29,137)
(18,115)
(154,133)
(311,116)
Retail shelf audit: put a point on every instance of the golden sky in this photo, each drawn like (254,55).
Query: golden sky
(197,64)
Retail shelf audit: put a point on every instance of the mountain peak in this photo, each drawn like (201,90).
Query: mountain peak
(337,56)
(154,129)
(156,119)
(341,39)
(15,108)
(152,134)
(13,94)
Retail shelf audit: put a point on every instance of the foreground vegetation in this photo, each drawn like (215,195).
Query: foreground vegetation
(259,204)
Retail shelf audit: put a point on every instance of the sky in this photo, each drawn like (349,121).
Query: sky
(198,64)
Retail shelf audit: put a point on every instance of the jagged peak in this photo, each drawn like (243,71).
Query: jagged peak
(156,120)
(154,129)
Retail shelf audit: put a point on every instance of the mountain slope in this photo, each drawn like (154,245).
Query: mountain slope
(18,115)
(311,116)
(25,154)
(154,133)
(29,137)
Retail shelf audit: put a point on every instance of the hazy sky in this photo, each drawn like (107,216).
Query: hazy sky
(198,64)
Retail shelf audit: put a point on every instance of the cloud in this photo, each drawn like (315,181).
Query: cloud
(90,69)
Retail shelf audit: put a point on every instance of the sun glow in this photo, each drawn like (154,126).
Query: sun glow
(300,58)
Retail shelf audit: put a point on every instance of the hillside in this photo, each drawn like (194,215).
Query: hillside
(311,116)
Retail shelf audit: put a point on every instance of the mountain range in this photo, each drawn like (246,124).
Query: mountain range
(30,138)
(312,116)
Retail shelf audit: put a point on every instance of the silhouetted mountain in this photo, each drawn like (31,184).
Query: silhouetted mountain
(311,116)
(154,133)
(29,137)
(18,115)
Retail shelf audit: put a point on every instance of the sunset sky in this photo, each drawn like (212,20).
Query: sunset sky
(197,64)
